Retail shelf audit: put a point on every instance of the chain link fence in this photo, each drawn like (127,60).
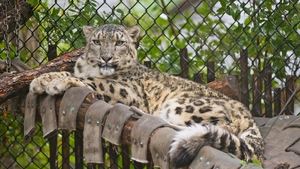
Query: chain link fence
(255,41)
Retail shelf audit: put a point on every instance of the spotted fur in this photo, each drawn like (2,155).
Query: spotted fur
(109,66)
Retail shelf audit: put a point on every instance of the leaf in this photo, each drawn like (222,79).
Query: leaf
(223,3)
(33,3)
(120,12)
(203,9)
(221,10)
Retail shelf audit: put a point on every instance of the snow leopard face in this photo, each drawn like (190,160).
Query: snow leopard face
(110,48)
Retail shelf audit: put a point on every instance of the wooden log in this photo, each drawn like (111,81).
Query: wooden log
(210,71)
(289,89)
(227,86)
(52,52)
(277,101)
(257,94)
(2,66)
(184,63)
(14,84)
(244,77)
(268,91)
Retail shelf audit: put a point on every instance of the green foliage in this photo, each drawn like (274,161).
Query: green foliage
(32,154)
(213,30)
(62,26)
(13,148)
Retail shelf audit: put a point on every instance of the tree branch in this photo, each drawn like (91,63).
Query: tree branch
(16,83)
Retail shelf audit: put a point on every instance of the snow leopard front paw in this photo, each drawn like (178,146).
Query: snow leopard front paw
(59,86)
(51,83)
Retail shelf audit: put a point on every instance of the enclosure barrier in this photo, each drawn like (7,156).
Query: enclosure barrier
(81,111)
(142,138)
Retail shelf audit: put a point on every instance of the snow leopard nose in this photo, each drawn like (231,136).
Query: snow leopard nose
(107,59)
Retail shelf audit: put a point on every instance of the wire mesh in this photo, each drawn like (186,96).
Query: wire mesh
(257,41)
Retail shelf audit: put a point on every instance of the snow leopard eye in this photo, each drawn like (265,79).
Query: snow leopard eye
(92,61)
(96,42)
(119,43)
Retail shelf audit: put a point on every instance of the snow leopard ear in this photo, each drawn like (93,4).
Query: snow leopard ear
(134,32)
(88,30)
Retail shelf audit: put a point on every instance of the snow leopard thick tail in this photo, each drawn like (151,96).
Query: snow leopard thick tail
(187,143)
